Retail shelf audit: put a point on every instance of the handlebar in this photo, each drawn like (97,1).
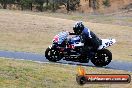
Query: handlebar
(70,33)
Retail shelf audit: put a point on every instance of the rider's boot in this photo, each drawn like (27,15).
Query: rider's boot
(83,58)
(91,55)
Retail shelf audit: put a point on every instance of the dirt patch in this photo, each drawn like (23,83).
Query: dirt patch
(109,6)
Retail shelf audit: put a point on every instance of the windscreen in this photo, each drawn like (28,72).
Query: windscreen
(60,37)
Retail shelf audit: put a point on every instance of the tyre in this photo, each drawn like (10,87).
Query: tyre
(52,55)
(102,58)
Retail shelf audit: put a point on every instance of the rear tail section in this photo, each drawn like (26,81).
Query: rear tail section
(106,43)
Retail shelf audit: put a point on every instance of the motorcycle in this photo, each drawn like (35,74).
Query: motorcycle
(70,48)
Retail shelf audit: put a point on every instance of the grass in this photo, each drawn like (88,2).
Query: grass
(24,42)
(118,18)
(28,74)
(32,32)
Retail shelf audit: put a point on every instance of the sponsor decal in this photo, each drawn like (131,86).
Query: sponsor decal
(83,78)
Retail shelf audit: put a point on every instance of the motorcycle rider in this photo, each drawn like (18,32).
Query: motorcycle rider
(87,37)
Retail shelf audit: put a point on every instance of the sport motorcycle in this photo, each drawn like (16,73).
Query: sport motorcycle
(70,48)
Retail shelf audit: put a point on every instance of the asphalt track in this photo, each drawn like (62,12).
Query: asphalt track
(117,65)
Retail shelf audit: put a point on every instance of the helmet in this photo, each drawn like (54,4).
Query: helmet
(78,27)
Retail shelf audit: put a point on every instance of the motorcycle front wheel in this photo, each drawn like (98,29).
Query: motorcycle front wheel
(52,55)
(102,58)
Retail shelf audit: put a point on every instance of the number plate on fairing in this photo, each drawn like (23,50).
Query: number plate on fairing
(106,43)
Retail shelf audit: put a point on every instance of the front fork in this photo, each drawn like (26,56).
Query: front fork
(50,46)
(53,46)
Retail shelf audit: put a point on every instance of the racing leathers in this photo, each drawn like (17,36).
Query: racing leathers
(90,40)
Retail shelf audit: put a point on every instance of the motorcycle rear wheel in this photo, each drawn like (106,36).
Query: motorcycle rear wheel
(52,55)
(102,58)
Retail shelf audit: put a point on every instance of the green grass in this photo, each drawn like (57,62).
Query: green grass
(76,18)
(128,20)
(28,74)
